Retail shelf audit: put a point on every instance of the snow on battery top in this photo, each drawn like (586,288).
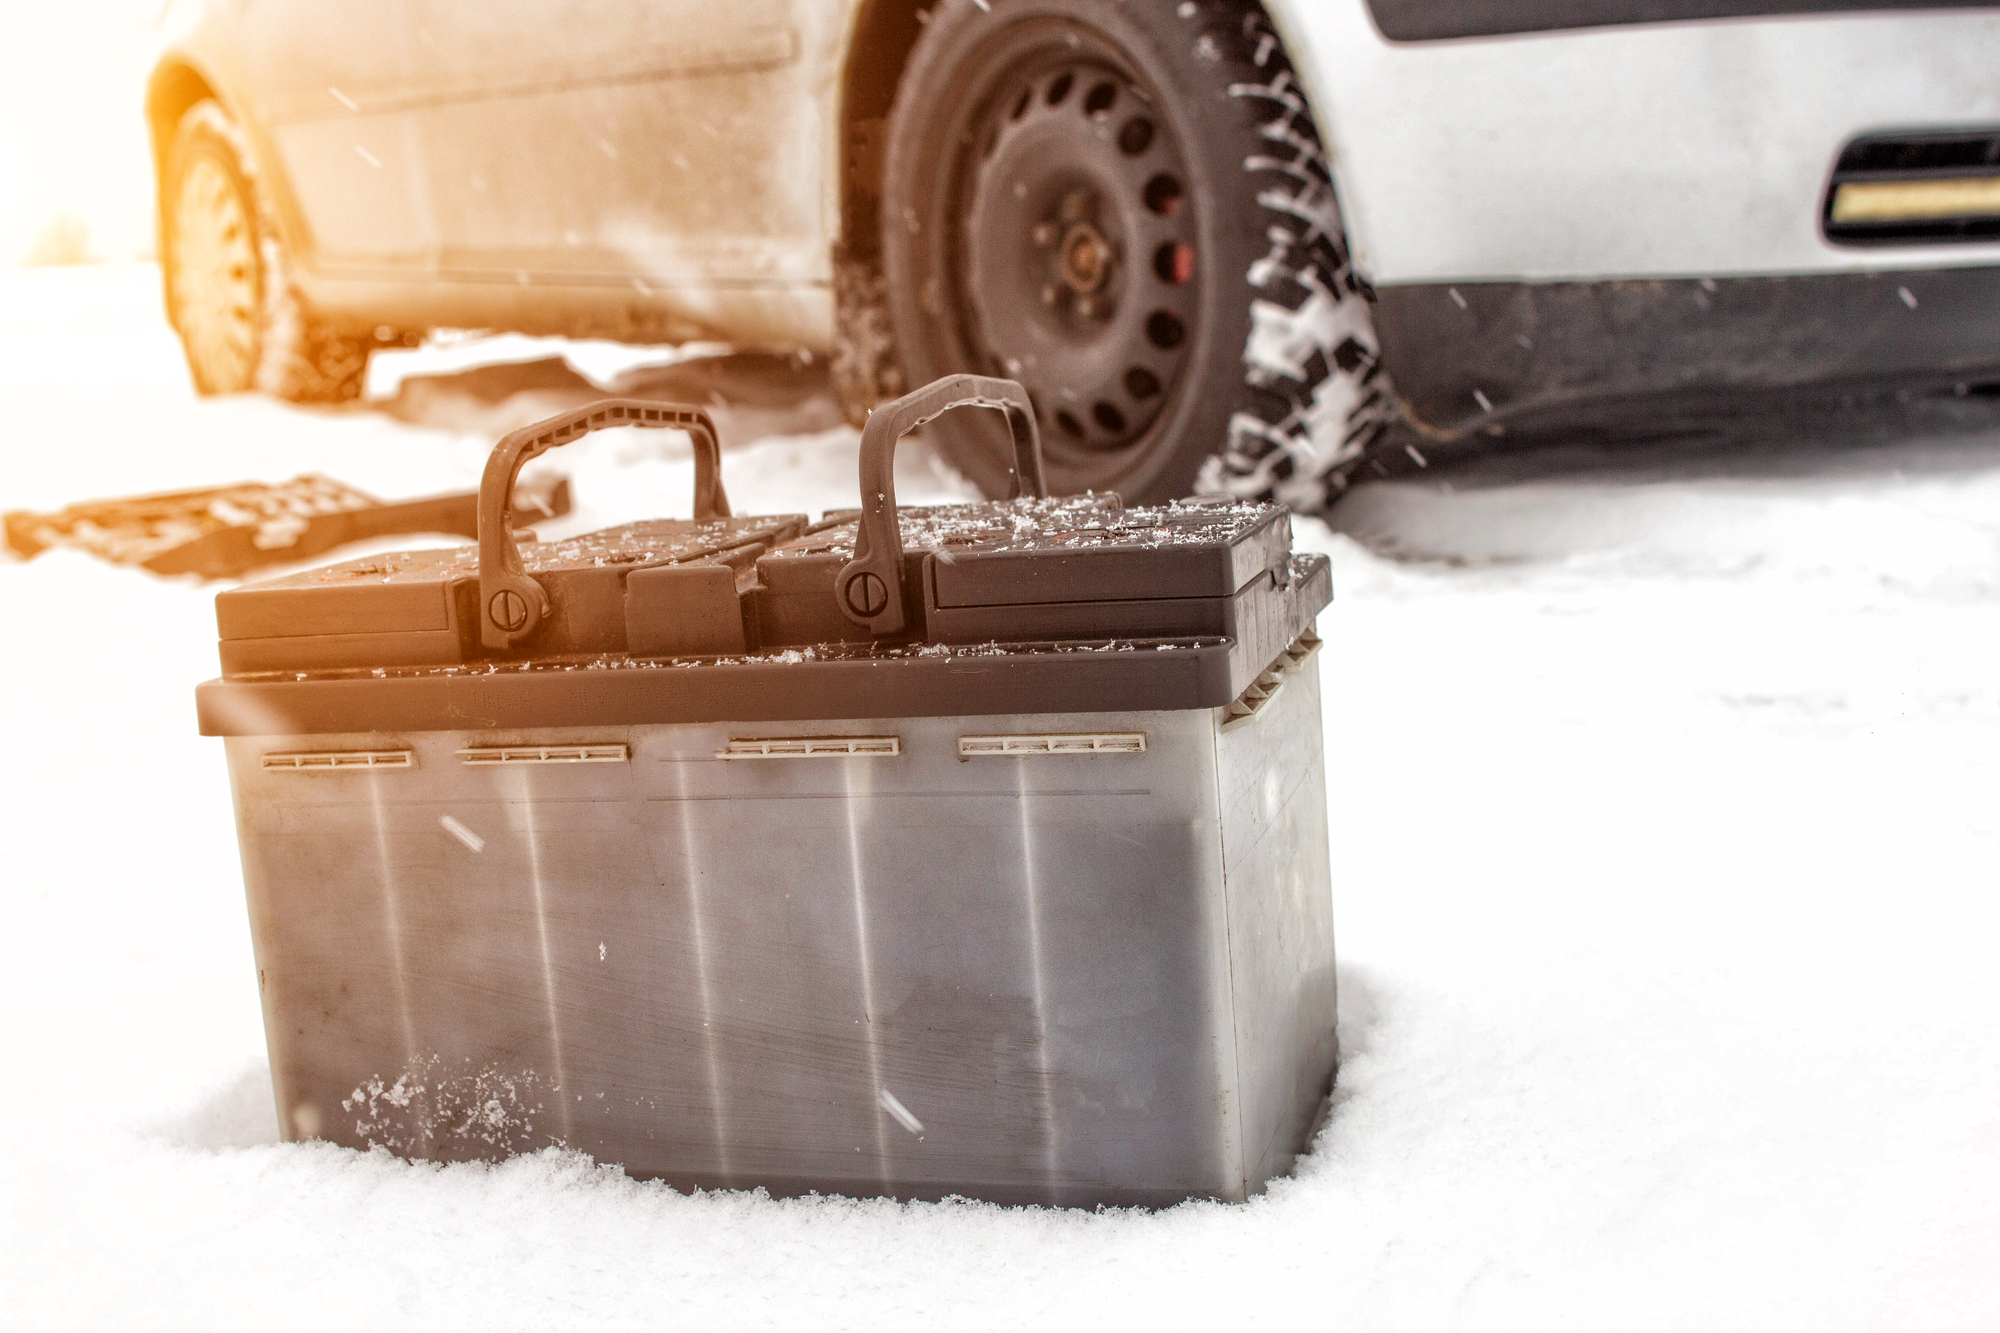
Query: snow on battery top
(655,542)
(1027,525)
(1022,525)
(1018,571)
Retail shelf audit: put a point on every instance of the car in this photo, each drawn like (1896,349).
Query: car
(1228,247)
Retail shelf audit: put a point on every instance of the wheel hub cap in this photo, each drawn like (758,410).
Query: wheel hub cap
(1077,263)
(1086,257)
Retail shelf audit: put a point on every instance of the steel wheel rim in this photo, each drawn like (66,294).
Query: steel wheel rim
(215,274)
(1076,268)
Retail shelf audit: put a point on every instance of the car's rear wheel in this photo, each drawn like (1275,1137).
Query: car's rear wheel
(1124,206)
(229,294)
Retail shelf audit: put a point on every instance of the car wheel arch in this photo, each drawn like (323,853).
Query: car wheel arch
(881,36)
(175,87)
(178,83)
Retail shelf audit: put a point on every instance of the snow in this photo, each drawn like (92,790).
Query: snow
(1665,845)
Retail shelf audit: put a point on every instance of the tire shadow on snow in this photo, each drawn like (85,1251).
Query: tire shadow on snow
(1869,492)
(750,395)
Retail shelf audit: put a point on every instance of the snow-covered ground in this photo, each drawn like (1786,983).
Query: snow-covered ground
(1665,833)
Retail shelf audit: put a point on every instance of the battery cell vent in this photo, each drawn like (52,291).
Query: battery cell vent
(1299,650)
(547,754)
(811,747)
(1068,742)
(339,761)
(1249,704)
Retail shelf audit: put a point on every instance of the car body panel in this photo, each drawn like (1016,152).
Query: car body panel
(330,84)
(1432,20)
(1652,151)
(660,170)
(276,75)
(656,142)
(490,190)
(1497,356)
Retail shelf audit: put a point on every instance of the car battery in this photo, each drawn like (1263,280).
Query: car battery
(972,850)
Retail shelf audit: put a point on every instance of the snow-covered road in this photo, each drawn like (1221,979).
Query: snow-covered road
(1667,886)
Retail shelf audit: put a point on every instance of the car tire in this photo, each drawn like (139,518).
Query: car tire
(229,294)
(1125,206)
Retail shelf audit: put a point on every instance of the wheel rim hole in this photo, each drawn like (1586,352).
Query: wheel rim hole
(1174,262)
(1164,330)
(1163,195)
(1136,137)
(1123,405)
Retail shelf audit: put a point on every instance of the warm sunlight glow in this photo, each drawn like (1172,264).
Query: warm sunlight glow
(73,133)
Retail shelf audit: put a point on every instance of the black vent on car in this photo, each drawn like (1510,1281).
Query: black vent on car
(1915,188)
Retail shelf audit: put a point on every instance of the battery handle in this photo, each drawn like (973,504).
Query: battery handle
(869,588)
(511,604)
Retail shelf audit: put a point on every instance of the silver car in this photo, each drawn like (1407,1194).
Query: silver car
(1207,235)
